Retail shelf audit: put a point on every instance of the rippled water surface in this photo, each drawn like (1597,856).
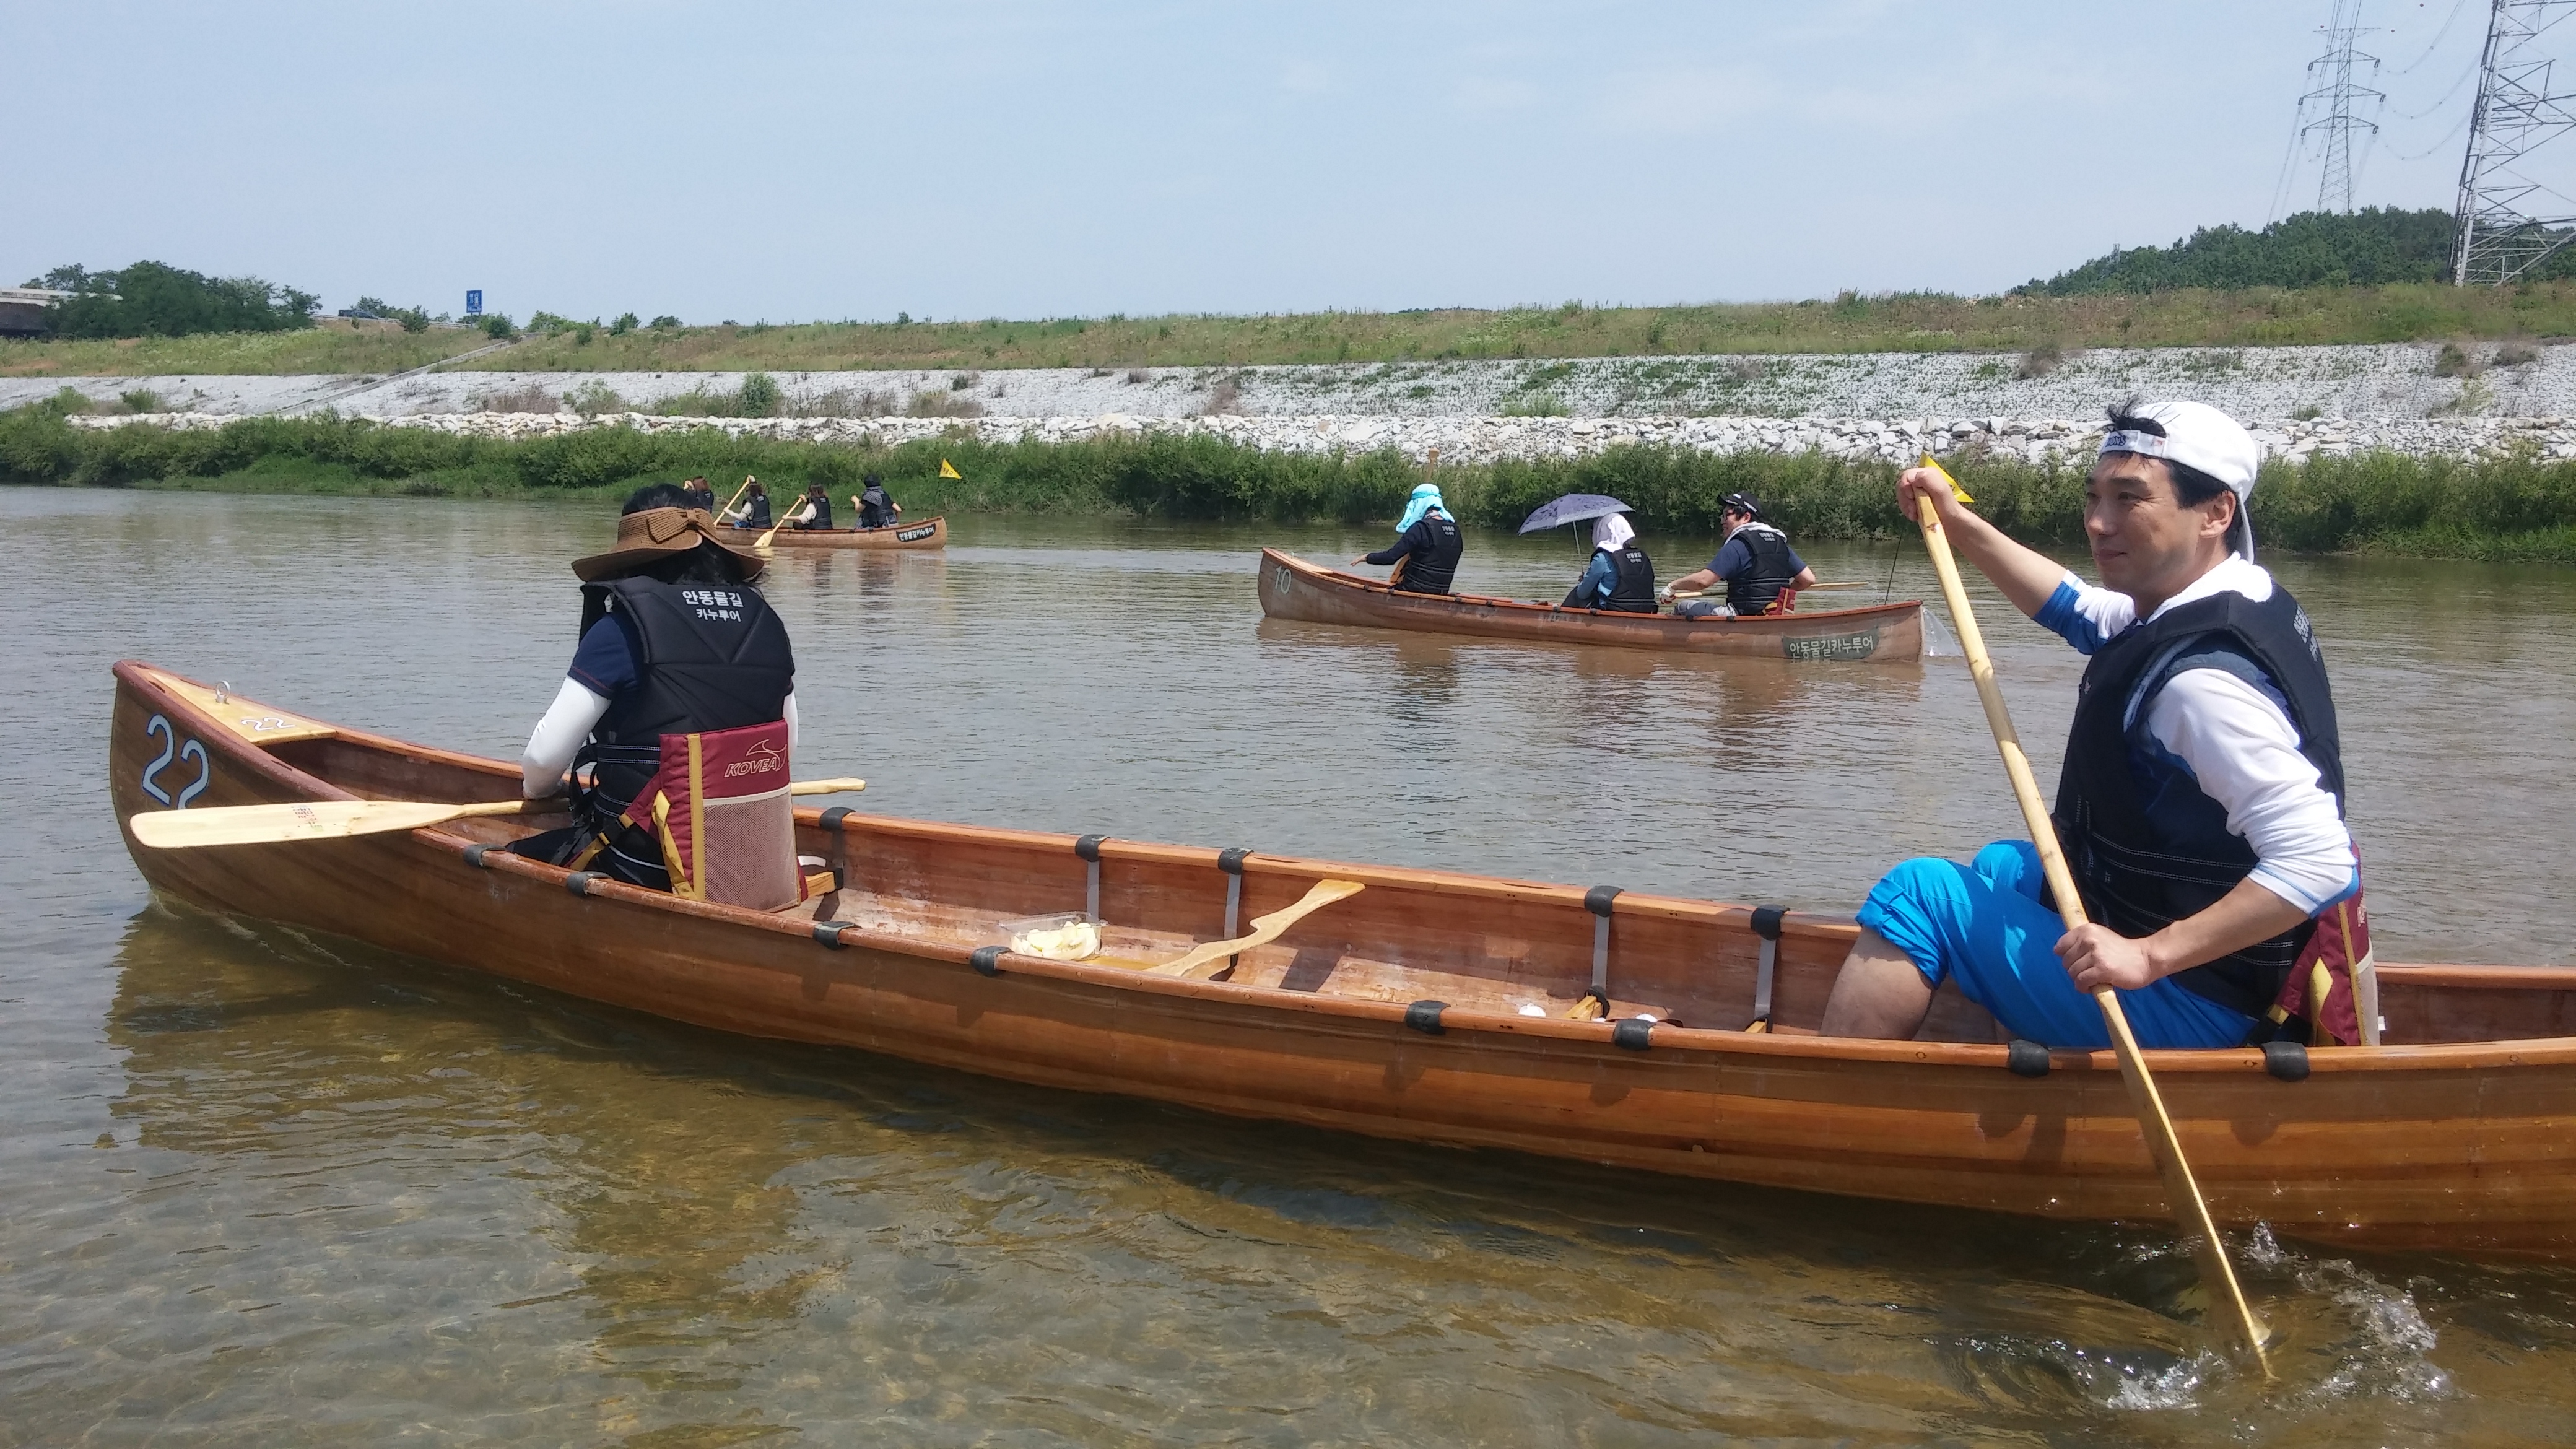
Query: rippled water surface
(269,1190)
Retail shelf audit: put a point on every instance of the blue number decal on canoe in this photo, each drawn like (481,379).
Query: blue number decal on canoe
(205,772)
(172,749)
(169,750)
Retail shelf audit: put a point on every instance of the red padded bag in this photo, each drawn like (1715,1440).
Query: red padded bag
(720,806)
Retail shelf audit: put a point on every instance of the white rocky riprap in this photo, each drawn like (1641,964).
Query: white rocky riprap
(1486,439)
(2394,380)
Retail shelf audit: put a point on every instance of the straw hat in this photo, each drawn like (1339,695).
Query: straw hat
(659,533)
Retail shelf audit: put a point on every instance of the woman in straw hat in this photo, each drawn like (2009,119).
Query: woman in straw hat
(674,640)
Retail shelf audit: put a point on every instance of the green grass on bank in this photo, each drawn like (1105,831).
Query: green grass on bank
(1902,322)
(331,346)
(2502,509)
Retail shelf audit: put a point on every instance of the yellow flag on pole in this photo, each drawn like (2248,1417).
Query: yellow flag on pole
(946,470)
(1955,490)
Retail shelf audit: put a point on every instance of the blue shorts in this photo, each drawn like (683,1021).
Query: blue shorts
(1982,924)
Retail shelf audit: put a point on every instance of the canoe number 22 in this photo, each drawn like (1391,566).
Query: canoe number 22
(171,749)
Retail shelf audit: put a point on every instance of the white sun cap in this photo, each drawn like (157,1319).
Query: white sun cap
(2199,436)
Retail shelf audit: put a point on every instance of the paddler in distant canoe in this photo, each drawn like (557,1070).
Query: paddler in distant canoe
(674,641)
(1755,563)
(2201,804)
(753,510)
(701,494)
(1427,546)
(877,508)
(813,511)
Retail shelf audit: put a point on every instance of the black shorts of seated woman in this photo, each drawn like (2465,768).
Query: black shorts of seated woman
(2201,804)
(674,640)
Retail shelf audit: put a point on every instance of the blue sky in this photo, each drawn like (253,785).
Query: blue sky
(983,157)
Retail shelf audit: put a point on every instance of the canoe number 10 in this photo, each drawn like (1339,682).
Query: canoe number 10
(171,749)
(1279,580)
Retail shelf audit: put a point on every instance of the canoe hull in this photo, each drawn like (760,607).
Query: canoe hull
(1292,588)
(929,533)
(2457,1147)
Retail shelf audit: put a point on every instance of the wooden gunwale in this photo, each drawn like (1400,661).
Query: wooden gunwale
(1293,588)
(2450,1144)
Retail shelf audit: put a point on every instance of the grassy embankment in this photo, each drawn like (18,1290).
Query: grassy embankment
(2505,510)
(330,346)
(1905,322)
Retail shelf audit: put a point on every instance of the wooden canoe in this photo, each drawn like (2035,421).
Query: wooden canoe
(1401,1011)
(1292,588)
(928,533)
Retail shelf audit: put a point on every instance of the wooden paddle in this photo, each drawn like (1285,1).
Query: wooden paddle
(803,511)
(1265,929)
(736,498)
(336,819)
(2182,1193)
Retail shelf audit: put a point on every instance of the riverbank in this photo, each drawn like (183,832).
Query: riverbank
(2510,507)
(2395,382)
(2040,326)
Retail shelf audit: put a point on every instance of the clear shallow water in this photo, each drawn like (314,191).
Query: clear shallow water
(270,1190)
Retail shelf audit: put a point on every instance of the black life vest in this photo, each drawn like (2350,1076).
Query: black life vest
(1755,585)
(1433,564)
(1633,590)
(2139,873)
(707,657)
(700,498)
(822,511)
(876,509)
(758,514)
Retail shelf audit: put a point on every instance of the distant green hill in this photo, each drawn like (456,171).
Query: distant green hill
(2370,247)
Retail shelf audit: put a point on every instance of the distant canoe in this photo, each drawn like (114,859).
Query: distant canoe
(929,533)
(1292,588)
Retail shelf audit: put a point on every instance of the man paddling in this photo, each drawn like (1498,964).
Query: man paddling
(1754,561)
(2201,801)
(1427,546)
(877,508)
(674,641)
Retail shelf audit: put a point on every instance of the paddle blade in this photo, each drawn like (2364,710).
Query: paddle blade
(827,787)
(294,820)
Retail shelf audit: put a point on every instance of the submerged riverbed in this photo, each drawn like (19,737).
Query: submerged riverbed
(269,1189)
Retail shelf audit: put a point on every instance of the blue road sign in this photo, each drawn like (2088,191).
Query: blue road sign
(474,303)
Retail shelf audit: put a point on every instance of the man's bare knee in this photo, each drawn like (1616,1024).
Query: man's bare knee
(1879,993)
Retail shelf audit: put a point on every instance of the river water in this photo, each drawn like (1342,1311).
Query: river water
(268,1190)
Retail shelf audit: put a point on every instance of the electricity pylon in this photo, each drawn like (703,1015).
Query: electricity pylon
(2333,92)
(2499,237)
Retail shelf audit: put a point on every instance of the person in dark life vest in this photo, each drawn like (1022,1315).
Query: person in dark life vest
(877,508)
(753,510)
(1426,548)
(699,494)
(2201,805)
(674,640)
(1619,576)
(1755,563)
(813,511)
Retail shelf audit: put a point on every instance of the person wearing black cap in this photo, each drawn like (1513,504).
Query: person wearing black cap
(877,508)
(1755,563)
(674,641)
(2201,803)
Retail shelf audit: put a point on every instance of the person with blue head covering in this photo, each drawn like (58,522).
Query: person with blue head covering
(1427,545)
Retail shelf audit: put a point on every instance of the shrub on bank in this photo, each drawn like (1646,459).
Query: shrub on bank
(2507,508)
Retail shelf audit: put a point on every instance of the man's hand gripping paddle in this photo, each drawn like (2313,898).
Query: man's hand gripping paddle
(2182,1193)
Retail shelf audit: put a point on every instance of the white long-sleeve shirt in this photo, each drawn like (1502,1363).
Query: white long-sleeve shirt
(2233,739)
